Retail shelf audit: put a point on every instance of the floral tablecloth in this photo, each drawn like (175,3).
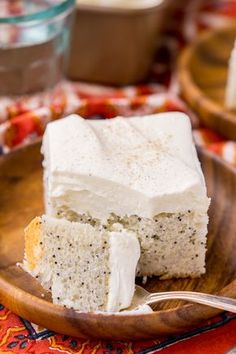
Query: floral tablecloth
(23,120)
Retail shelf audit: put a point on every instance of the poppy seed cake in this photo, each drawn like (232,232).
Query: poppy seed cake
(85,267)
(140,172)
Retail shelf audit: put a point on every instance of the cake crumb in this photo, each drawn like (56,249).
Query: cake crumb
(144,280)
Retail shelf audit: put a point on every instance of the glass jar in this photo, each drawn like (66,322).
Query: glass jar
(34,39)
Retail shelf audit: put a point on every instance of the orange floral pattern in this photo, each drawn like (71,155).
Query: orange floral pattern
(19,336)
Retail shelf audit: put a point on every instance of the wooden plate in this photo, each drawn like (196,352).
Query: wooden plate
(203,75)
(21,200)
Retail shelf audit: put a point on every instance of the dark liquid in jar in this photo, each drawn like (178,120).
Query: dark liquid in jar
(31,68)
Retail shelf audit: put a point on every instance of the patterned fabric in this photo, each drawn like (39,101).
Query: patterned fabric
(24,120)
(20,336)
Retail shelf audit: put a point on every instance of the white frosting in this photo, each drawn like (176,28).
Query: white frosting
(133,4)
(124,256)
(230,96)
(142,309)
(128,166)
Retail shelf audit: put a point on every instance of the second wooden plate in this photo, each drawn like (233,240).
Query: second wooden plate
(203,74)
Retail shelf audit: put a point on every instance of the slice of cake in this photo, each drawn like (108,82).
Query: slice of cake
(141,172)
(85,268)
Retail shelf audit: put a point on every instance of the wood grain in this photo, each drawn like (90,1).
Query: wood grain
(203,74)
(21,200)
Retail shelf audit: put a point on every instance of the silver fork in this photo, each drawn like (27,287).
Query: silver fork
(143,297)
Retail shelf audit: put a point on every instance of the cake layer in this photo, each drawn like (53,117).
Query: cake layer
(140,166)
(172,245)
(86,268)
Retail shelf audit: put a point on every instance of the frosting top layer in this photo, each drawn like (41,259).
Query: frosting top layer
(127,166)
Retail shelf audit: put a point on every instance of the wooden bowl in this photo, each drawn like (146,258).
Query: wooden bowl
(203,74)
(21,199)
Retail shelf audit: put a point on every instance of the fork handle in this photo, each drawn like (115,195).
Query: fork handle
(219,302)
